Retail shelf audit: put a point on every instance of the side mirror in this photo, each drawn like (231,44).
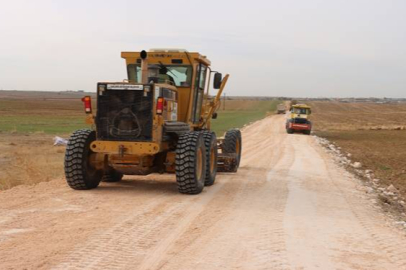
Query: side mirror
(217,80)
(214,116)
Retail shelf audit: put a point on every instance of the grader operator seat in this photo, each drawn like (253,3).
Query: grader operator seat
(164,77)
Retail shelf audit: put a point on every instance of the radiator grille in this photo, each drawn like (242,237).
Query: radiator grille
(300,121)
(124,115)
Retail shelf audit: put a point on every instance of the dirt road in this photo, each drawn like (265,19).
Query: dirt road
(288,207)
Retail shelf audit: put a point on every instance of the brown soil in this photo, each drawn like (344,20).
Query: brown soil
(352,127)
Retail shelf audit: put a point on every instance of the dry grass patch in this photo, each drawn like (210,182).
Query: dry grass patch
(383,152)
(29,159)
(357,116)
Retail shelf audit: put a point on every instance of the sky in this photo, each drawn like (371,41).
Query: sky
(297,48)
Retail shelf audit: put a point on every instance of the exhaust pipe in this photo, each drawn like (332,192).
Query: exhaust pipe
(144,67)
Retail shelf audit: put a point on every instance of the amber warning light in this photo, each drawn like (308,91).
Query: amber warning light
(160,105)
(87,101)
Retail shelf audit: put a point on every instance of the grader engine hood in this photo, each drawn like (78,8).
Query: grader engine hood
(125,112)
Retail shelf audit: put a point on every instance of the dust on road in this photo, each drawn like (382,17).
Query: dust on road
(288,207)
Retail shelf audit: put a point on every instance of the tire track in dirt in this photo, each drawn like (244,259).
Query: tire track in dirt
(269,245)
(127,243)
(260,244)
(340,222)
(389,244)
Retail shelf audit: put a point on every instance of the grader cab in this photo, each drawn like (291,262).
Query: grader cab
(156,121)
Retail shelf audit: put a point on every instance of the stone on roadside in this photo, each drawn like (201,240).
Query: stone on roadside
(369,190)
(357,165)
(391,188)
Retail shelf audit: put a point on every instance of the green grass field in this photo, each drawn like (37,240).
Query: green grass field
(51,124)
(64,116)
(41,116)
(242,112)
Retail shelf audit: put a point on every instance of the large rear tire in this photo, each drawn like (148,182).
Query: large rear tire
(233,144)
(190,163)
(78,171)
(210,142)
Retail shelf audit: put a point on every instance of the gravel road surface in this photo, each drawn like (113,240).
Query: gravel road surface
(288,207)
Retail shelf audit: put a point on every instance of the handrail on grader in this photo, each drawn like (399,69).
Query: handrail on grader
(217,100)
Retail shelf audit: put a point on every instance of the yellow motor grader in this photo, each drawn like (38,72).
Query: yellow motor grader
(156,121)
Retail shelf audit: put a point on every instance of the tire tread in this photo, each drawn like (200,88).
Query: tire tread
(74,155)
(185,163)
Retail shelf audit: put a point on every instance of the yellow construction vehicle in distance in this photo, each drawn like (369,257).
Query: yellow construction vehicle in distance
(298,120)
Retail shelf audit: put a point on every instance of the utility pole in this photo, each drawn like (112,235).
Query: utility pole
(224,101)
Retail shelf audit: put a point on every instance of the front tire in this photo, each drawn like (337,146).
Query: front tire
(307,132)
(190,163)
(79,173)
(288,130)
(210,142)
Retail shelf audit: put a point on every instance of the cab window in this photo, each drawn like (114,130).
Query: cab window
(300,111)
(134,73)
(199,92)
(202,80)
(181,75)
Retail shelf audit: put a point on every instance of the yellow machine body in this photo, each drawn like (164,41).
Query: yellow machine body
(185,102)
